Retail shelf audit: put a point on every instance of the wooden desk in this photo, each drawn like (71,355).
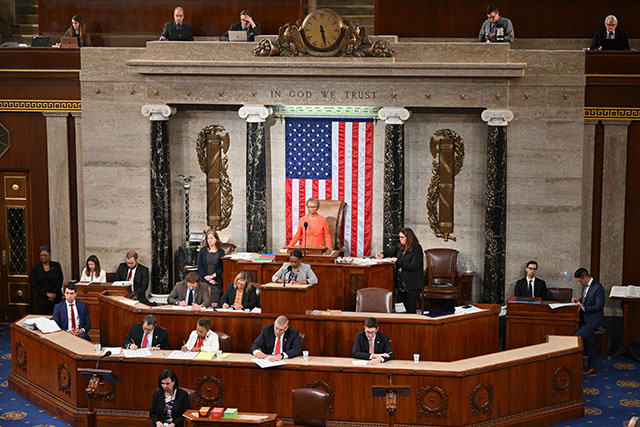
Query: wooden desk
(191,418)
(89,295)
(337,283)
(485,390)
(292,299)
(443,338)
(631,332)
(529,324)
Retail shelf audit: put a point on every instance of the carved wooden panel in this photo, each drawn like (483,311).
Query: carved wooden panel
(432,401)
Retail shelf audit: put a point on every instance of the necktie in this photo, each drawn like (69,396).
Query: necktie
(144,341)
(610,35)
(129,275)
(371,349)
(531,287)
(278,346)
(73,317)
(190,299)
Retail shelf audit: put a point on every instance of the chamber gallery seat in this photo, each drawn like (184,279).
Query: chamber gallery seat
(441,276)
(310,407)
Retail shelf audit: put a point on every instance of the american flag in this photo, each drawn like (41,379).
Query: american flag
(331,159)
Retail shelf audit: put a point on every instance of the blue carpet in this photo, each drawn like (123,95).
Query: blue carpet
(611,398)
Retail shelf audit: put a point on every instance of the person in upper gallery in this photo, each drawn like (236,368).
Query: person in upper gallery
(177,30)
(295,272)
(147,335)
(72,315)
(190,292)
(530,285)
(240,294)
(138,274)
(372,345)
(169,402)
(317,230)
(279,340)
(92,271)
(46,283)
(247,24)
(496,28)
(210,265)
(79,31)
(409,261)
(203,338)
(591,305)
(610,37)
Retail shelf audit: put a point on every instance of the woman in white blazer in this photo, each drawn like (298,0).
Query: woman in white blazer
(203,338)
(92,271)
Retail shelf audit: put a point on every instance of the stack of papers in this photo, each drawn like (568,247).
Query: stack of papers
(46,325)
(141,352)
(625,291)
(265,258)
(241,256)
(265,363)
(182,355)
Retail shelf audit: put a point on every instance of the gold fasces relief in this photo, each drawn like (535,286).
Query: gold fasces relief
(212,147)
(448,153)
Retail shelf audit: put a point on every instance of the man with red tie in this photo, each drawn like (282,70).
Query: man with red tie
(610,37)
(147,335)
(137,274)
(71,315)
(372,345)
(277,342)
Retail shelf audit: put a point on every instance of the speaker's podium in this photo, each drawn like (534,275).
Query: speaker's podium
(390,392)
(312,250)
(97,379)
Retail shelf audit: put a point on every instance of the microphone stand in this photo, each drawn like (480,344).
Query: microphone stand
(306,224)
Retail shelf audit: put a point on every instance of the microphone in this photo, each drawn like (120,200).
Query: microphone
(106,354)
(306,224)
(390,379)
(287,275)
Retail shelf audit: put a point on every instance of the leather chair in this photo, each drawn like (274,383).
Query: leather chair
(441,275)
(224,340)
(333,211)
(559,294)
(376,300)
(310,407)
(228,247)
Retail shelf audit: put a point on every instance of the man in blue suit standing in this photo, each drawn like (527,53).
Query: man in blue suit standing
(71,315)
(591,315)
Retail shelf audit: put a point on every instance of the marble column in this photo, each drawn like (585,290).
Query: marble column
(393,214)
(160,185)
(256,216)
(82,254)
(496,205)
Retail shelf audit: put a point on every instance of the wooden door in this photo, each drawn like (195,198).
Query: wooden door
(15,244)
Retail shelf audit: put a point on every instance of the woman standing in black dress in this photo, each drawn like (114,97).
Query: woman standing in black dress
(409,261)
(210,265)
(46,283)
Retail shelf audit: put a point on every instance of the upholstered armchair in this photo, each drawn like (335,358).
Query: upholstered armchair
(441,276)
(333,211)
(559,294)
(376,300)
(310,407)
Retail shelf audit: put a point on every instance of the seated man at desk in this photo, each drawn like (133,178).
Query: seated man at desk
(530,285)
(190,292)
(137,274)
(295,272)
(496,28)
(279,340)
(247,24)
(147,335)
(313,227)
(610,37)
(372,345)
(177,30)
(71,315)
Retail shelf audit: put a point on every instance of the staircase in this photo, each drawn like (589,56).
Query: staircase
(26,25)
(357,11)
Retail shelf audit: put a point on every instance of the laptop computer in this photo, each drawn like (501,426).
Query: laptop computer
(68,42)
(237,36)
(40,41)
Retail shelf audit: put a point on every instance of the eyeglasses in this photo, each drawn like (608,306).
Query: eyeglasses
(313,207)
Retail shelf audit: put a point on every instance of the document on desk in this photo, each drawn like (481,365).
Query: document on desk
(359,362)
(630,291)
(469,310)
(265,363)
(121,283)
(561,304)
(141,352)
(46,325)
(114,350)
(182,355)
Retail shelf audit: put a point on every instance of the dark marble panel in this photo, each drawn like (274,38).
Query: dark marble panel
(496,215)
(186,255)
(393,217)
(256,188)
(161,258)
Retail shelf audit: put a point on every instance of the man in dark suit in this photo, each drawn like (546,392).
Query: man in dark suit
(372,345)
(147,335)
(591,306)
(247,24)
(71,315)
(610,37)
(530,285)
(177,30)
(279,340)
(190,292)
(132,271)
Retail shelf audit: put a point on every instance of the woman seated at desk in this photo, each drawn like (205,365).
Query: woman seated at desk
(169,401)
(295,272)
(203,338)
(240,294)
(316,232)
(92,271)
(79,31)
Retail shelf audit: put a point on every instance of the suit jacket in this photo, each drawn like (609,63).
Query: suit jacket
(621,42)
(61,317)
(160,337)
(267,340)
(200,294)
(411,263)
(593,314)
(180,405)
(304,273)
(140,280)
(251,32)
(171,32)
(539,288)
(381,344)
(249,298)
(43,282)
